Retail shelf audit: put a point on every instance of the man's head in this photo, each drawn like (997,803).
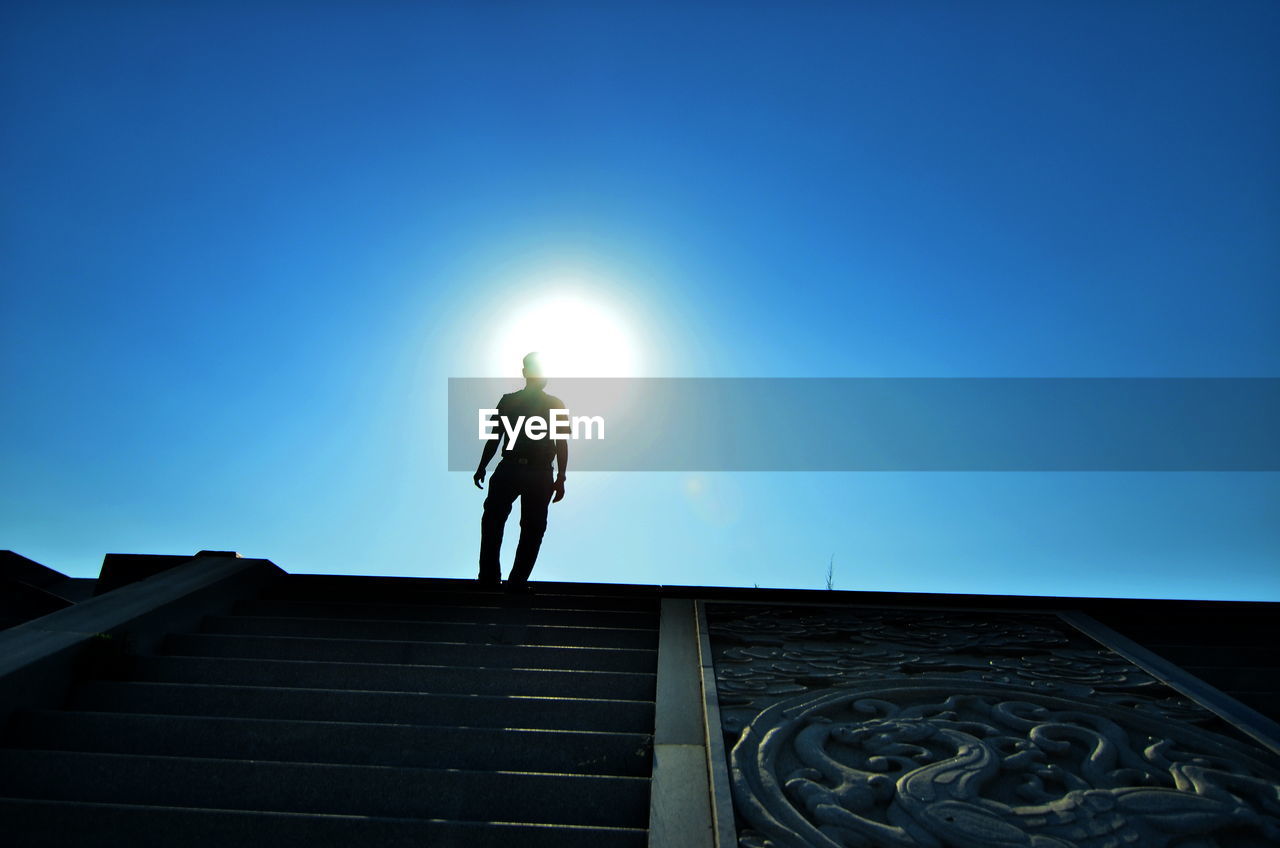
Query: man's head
(532,371)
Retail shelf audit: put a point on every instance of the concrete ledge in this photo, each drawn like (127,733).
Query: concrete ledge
(24,600)
(678,814)
(120,570)
(17,567)
(726,831)
(39,658)
(1242,716)
(679,800)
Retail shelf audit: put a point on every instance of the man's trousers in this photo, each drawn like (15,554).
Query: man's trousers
(533,484)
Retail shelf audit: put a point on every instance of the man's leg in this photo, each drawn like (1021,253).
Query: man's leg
(535,496)
(497,506)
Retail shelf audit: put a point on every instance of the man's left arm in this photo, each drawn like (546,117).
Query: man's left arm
(562,462)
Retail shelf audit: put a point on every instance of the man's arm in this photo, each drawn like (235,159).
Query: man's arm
(562,454)
(562,461)
(490,448)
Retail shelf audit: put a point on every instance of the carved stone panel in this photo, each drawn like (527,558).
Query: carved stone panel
(853,727)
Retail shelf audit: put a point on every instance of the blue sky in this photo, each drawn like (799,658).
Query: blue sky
(244,248)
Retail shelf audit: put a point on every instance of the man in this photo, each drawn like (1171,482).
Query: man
(524,472)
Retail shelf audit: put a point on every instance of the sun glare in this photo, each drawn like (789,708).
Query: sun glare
(576,336)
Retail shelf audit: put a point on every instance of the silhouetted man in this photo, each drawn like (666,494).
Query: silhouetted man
(524,472)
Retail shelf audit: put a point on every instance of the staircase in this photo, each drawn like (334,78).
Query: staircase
(356,710)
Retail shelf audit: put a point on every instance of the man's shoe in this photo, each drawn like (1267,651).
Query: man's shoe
(517,588)
(489,584)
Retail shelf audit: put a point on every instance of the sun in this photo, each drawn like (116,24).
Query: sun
(577,336)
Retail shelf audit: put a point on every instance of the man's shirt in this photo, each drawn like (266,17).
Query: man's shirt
(528,403)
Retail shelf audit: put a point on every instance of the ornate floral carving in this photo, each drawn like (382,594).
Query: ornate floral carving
(947,762)
(767,653)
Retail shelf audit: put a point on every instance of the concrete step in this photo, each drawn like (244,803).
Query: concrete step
(534,612)
(57,824)
(230,784)
(350,588)
(436,679)
(426,631)
(602,715)
(410,653)
(572,752)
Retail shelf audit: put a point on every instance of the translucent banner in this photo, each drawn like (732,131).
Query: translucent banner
(888,424)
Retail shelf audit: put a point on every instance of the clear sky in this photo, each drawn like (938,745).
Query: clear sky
(244,245)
